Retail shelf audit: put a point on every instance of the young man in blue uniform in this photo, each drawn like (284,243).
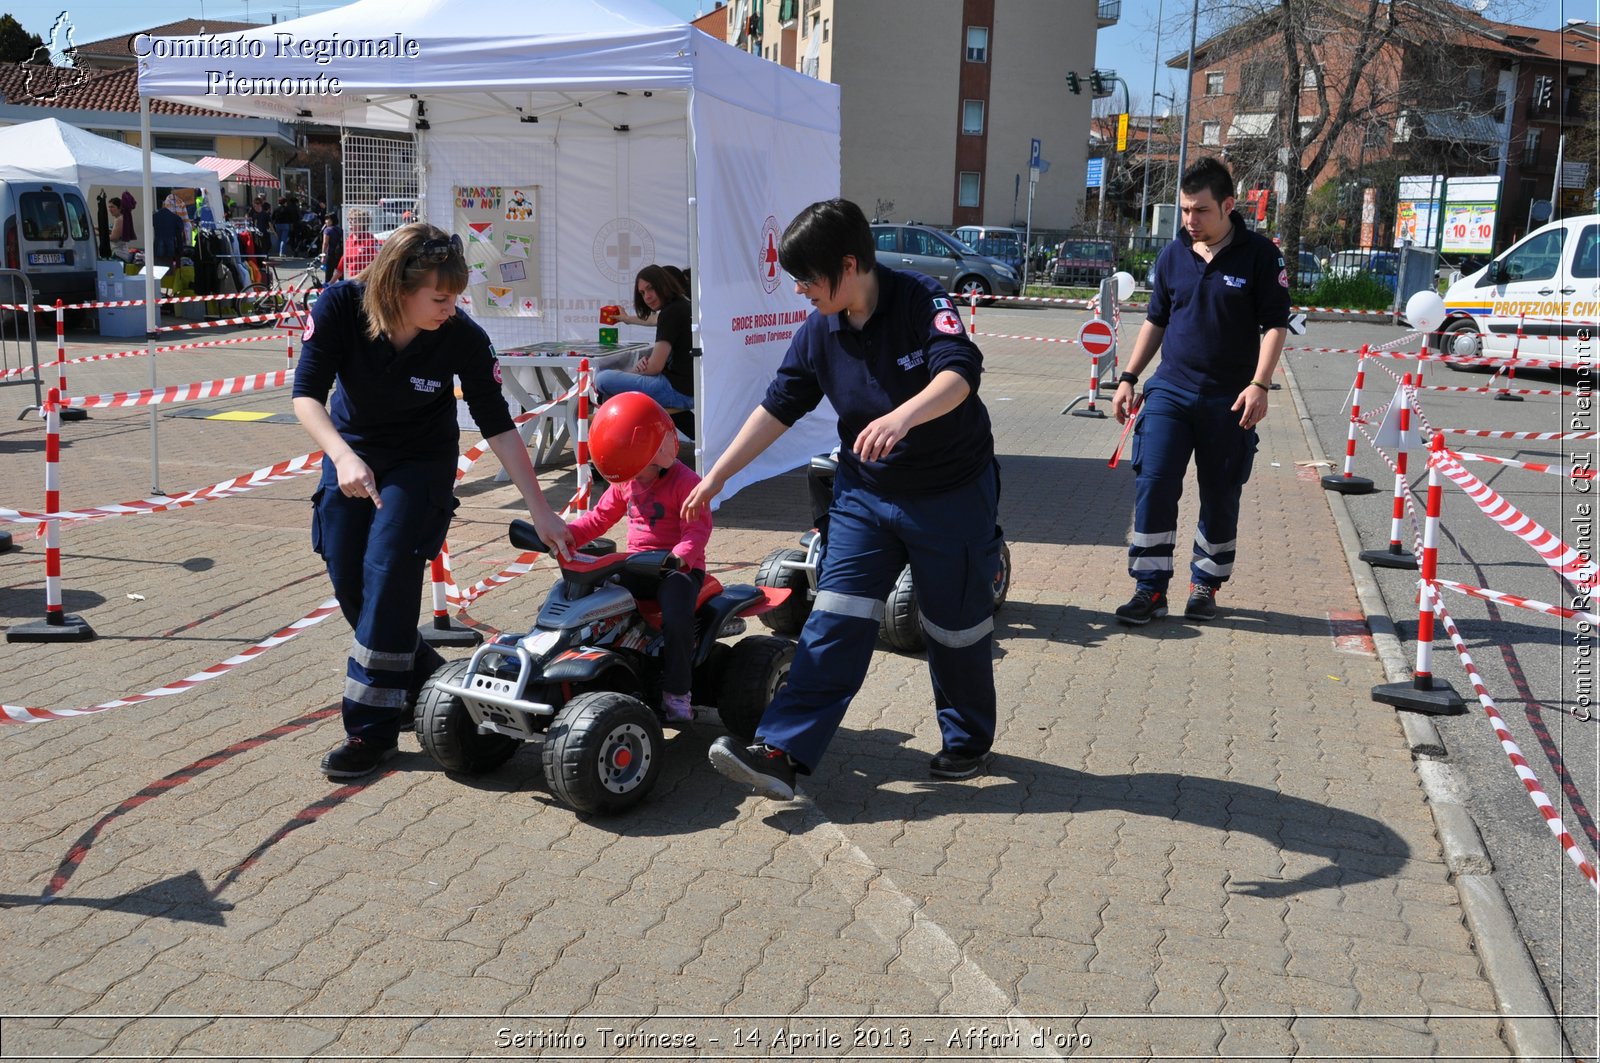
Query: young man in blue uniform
(917,482)
(1219,311)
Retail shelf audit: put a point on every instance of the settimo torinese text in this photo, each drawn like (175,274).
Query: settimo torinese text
(279,46)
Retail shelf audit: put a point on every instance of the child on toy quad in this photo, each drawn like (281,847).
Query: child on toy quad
(634,445)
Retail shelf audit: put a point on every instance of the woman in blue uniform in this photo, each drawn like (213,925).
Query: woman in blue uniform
(917,483)
(393,342)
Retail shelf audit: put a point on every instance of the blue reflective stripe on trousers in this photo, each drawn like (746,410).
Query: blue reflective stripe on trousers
(376,559)
(1174,426)
(951,541)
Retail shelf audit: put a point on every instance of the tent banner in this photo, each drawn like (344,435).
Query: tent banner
(753,176)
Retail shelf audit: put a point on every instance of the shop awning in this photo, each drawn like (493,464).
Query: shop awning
(241,170)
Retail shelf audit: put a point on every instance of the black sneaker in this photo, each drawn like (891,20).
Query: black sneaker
(1202,603)
(948,765)
(355,757)
(1145,606)
(769,771)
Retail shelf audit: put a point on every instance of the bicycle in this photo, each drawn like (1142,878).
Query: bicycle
(273,295)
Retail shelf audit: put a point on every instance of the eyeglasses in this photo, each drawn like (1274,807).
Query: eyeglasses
(805,282)
(432,252)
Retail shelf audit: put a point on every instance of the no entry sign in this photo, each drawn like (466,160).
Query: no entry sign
(1096,337)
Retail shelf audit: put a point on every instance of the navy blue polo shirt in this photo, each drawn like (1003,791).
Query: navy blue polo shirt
(914,333)
(1215,312)
(395,406)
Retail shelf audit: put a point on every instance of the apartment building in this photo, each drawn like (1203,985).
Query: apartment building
(940,100)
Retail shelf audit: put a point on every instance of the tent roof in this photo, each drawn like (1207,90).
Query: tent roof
(53,150)
(241,170)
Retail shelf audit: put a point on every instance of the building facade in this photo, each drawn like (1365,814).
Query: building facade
(940,100)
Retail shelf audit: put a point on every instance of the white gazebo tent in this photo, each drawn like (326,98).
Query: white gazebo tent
(644,139)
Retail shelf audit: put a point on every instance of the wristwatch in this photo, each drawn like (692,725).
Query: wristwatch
(1128,378)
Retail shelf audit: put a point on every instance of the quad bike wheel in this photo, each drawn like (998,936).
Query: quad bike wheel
(790,617)
(757,668)
(603,752)
(446,731)
(902,620)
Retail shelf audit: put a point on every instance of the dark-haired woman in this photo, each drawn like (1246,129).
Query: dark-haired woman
(393,341)
(666,373)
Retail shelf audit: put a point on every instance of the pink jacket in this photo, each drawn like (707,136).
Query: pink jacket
(653,520)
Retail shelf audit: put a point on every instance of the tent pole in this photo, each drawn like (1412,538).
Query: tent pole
(694,303)
(150,289)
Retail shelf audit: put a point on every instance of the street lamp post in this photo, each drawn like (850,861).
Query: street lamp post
(1188,94)
(1155,68)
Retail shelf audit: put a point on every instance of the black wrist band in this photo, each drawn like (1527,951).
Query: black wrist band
(1128,378)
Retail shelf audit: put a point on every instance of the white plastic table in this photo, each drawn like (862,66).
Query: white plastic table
(535,374)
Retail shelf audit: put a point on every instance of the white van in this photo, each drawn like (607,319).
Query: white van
(46,234)
(1549,282)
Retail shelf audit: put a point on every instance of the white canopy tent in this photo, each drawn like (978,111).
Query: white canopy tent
(53,150)
(641,140)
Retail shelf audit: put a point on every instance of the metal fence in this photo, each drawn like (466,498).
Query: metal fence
(19,340)
(381,178)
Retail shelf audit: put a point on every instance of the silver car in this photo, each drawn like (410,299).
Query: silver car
(963,272)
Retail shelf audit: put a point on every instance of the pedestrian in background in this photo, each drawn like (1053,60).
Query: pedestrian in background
(917,482)
(1219,312)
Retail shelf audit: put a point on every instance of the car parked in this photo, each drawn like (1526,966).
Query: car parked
(1083,262)
(1308,270)
(963,271)
(996,241)
(1381,266)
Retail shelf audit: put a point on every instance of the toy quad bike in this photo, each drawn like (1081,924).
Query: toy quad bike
(587,677)
(795,570)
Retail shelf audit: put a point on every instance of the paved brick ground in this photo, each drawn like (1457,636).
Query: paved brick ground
(1195,841)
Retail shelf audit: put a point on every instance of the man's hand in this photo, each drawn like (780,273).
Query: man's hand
(1122,404)
(1252,406)
(880,437)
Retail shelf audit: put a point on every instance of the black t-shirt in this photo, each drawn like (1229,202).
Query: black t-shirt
(673,323)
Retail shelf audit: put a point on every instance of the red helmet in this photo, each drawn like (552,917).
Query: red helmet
(627,433)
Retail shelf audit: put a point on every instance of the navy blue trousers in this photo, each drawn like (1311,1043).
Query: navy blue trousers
(1174,426)
(376,559)
(952,543)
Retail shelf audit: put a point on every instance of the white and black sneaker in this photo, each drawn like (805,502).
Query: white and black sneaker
(1147,604)
(768,771)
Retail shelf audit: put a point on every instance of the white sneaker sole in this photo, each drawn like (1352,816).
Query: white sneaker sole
(733,768)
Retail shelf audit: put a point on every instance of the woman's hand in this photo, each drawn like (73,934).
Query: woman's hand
(699,498)
(356,479)
(554,531)
(880,437)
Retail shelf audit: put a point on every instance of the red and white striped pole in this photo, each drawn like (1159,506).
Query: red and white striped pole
(1349,483)
(289,355)
(1504,394)
(972,312)
(1422,359)
(57,625)
(1424,693)
(580,443)
(1396,556)
(444,631)
(69,413)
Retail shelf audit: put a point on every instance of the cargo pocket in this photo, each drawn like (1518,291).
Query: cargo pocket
(316,519)
(1136,446)
(1246,457)
(441,509)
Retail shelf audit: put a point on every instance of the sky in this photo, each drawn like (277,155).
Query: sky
(1130,47)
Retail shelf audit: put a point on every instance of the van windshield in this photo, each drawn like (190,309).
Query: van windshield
(44,216)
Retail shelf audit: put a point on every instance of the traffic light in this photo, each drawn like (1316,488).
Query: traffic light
(1073,83)
(1097,83)
(1542,91)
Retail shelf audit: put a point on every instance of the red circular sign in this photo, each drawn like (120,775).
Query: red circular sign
(1096,336)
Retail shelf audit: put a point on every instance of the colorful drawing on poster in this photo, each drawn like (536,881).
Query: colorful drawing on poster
(477,197)
(513,270)
(529,308)
(519,245)
(477,273)
(464,302)
(502,298)
(519,205)
(480,232)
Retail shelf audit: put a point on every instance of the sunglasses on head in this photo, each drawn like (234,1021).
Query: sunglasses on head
(432,252)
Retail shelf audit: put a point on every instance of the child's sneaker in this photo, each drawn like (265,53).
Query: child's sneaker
(677,708)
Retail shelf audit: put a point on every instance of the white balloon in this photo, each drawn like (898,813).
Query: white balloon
(1125,286)
(1425,311)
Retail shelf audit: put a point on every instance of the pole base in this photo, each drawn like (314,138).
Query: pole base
(74,413)
(447,632)
(1387,559)
(1348,485)
(1506,396)
(1440,699)
(5,541)
(73,628)
(1089,412)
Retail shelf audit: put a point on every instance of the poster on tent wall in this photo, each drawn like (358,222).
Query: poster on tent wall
(499,230)
(752,178)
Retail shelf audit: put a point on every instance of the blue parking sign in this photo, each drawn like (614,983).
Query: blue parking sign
(1097,169)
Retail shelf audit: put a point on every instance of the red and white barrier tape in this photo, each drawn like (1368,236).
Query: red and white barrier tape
(1477,434)
(1037,339)
(1492,391)
(166,300)
(259,337)
(246,319)
(1530,604)
(1530,782)
(1562,559)
(272,474)
(1568,471)
(1340,311)
(1087,304)
(207,389)
(26,714)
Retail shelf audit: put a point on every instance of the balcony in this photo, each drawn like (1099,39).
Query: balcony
(1108,13)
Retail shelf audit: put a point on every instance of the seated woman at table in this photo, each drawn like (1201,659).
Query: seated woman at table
(666,373)
(392,342)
